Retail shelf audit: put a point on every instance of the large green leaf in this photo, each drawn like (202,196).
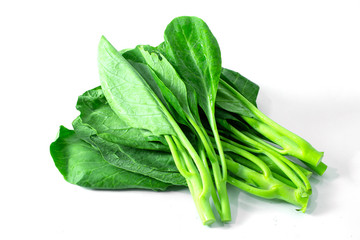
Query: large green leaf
(128,93)
(171,86)
(155,164)
(95,111)
(195,54)
(82,164)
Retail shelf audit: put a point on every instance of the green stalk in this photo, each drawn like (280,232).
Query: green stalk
(180,164)
(194,181)
(188,162)
(274,169)
(220,179)
(224,198)
(264,168)
(291,143)
(288,167)
(214,195)
(202,199)
(266,187)
(319,169)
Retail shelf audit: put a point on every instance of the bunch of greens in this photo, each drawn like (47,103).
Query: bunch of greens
(171,115)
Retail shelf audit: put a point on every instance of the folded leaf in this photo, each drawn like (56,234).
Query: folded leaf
(155,164)
(128,93)
(82,164)
(96,112)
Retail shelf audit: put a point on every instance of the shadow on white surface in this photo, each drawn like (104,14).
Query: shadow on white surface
(315,207)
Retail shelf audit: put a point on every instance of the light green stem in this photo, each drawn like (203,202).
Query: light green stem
(194,182)
(220,179)
(213,190)
(291,143)
(274,169)
(180,164)
(288,167)
(269,188)
(264,168)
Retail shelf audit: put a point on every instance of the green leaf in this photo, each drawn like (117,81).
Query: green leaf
(155,164)
(95,111)
(82,164)
(171,86)
(243,85)
(226,100)
(195,54)
(128,93)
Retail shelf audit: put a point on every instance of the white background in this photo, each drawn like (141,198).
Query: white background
(305,55)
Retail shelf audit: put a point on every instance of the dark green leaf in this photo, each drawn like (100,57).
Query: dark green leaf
(243,85)
(228,101)
(195,54)
(95,111)
(155,164)
(82,164)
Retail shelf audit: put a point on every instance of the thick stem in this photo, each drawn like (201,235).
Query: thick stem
(190,166)
(269,188)
(205,177)
(219,146)
(194,182)
(224,198)
(276,169)
(291,143)
(220,179)
(254,167)
(180,164)
(264,168)
(288,167)
(213,190)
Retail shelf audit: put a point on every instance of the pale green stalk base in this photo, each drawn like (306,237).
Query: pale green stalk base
(291,143)
(221,199)
(199,185)
(265,186)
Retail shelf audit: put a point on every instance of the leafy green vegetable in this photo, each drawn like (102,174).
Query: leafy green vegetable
(171,115)
(268,192)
